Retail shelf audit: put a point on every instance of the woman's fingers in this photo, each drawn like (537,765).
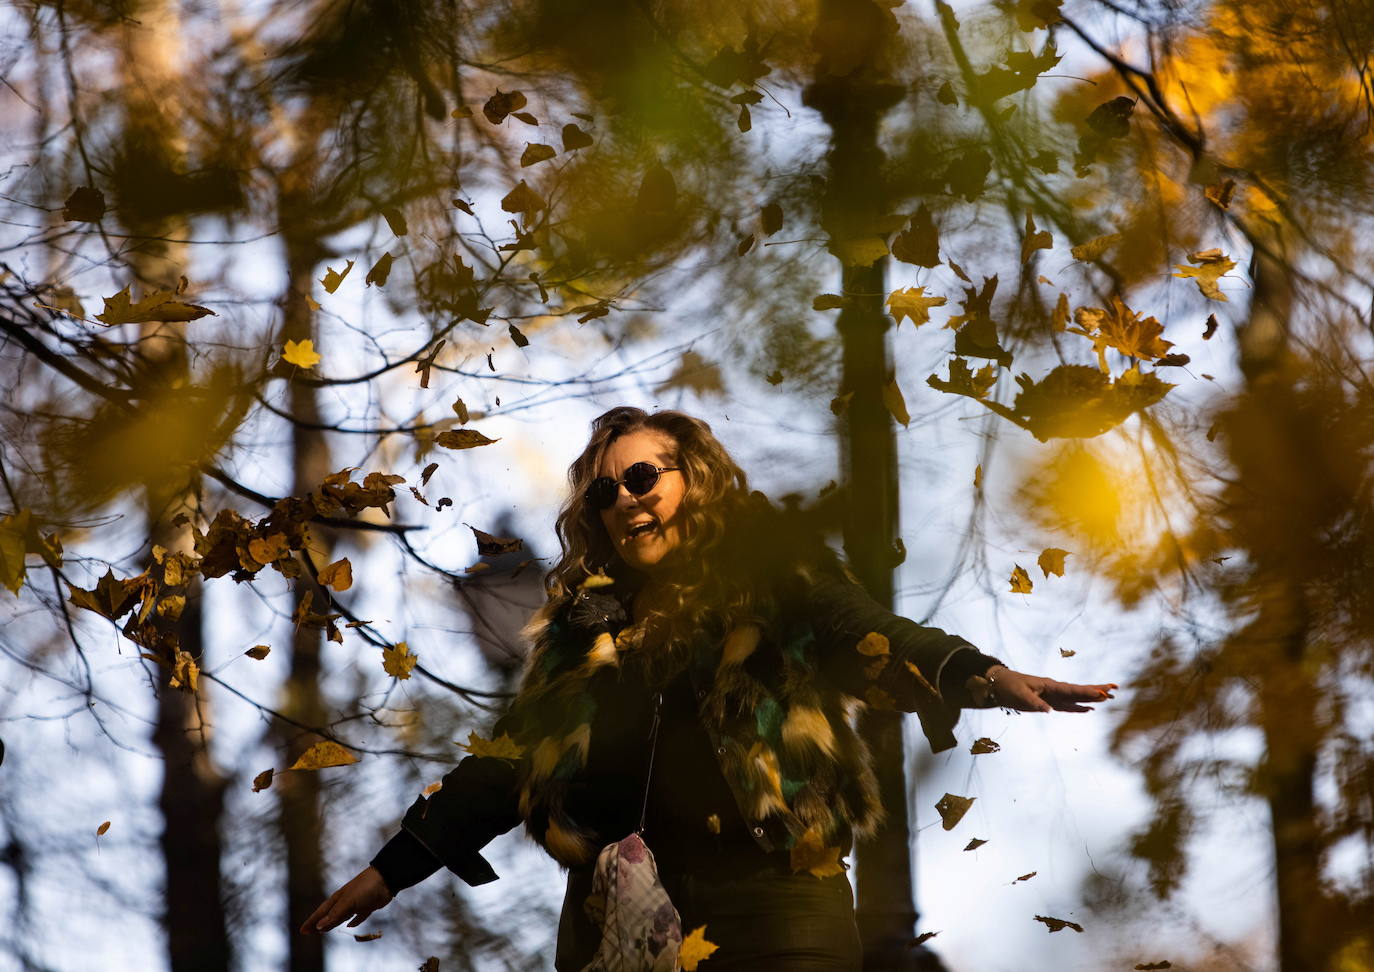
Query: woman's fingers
(1033,693)
(356,900)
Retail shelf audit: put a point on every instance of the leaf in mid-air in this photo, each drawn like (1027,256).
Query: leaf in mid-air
(379,272)
(952,809)
(1020,580)
(338,575)
(1051,561)
(1034,239)
(983,745)
(302,354)
(263,780)
(462,439)
(1212,266)
(322,755)
(1058,924)
(911,303)
(536,152)
(694,949)
(489,545)
(332,278)
(398,660)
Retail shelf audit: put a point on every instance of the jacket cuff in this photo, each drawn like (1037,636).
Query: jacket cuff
(404,862)
(958,667)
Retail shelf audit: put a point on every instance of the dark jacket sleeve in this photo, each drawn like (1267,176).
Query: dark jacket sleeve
(912,667)
(476,803)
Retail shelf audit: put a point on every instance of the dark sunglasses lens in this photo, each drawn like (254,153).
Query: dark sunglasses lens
(640,478)
(601,493)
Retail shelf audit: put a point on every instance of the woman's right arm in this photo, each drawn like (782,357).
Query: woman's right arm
(476,803)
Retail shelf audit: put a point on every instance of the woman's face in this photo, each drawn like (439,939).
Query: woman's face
(643,529)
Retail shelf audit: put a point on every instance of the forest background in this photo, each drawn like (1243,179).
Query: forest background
(1057,313)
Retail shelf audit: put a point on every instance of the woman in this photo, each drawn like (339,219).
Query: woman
(693,676)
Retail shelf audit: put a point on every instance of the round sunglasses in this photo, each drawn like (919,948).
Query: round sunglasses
(639,479)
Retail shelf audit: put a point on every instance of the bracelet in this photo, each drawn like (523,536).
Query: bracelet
(990,700)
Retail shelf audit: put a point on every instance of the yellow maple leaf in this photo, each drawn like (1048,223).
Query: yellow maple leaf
(338,575)
(1207,275)
(322,755)
(502,747)
(874,644)
(185,672)
(1051,561)
(1020,580)
(300,353)
(694,949)
(398,660)
(810,854)
(1121,328)
(912,304)
(159,306)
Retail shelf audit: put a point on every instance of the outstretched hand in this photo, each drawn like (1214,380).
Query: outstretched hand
(1000,686)
(357,899)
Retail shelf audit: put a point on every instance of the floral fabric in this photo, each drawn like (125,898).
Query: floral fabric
(640,928)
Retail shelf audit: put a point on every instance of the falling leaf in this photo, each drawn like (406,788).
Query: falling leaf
(1034,240)
(770,219)
(489,545)
(427,472)
(713,823)
(461,410)
(1035,14)
(369,937)
(397,660)
(462,111)
(263,780)
(1222,193)
(432,789)
(945,95)
(338,575)
(774,377)
(1059,924)
(258,652)
(590,312)
(1020,580)
(523,199)
(826,302)
(84,205)
(593,581)
(430,964)
(536,152)
(100,831)
(1051,561)
(1123,329)
(159,306)
(952,809)
(983,745)
(379,272)
(958,271)
(745,245)
(745,121)
(501,104)
(185,672)
(963,381)
(462,439)
(840,403)
(1025,877)
(895,402)
(322,755)
(978,476)
(1094,248)
(302,354)
(1213,265)
(974,844)
(395,221)
(1067,652)
(1173,361)
(919,243)
(1059,320)
(1210,327)
(922,938)
(575,138)
(810,854)
(913,305)
(1153,966)
(502,747)
(332,278)
(694,949)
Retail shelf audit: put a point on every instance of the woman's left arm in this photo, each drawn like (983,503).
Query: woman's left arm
(1000,686)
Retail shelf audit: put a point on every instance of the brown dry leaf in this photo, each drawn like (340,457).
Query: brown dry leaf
(1121,328)
(952,809)
(265,550)
(974,844)
(489,545)
(338,575)
(810,854)
(427,472)
(502,747)
(156,307)
(826,302)
(501,104)
(1212,266)
(874,645)
(770,219)
(1094,248)
(1020,580)
(1034,240)
(964,381)
(912,304)
(432,789)
(1153,966)
(322,755)
(395,221)
(398,660)
(1051,561)
(84,205)
(1067,652)
(430,964)
(369,937)
(896,402)
(1025,877)
(919,243)
(536,152)
(462,439)
(745,120)
(744,245)
(983,745)
(100,831)
(1059,320)
(332,278)
(379,272)
(694,949)
(258,652)
(922,938)
(263,780)
(1058,924)
(1221,195)
(575,138)
(185,672)
(523,199)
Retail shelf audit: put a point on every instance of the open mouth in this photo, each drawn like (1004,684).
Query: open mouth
(640,530)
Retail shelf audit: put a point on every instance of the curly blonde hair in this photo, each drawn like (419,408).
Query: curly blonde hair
(716,490)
